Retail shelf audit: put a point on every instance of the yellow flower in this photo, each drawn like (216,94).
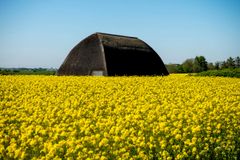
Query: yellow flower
(178,137)
(103,142)
(173,117)
(194,150)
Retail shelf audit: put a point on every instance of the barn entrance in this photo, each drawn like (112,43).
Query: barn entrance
(121,61)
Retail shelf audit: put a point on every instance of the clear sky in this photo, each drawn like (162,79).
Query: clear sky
(41,33)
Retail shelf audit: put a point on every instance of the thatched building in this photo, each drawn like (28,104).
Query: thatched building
(107,54)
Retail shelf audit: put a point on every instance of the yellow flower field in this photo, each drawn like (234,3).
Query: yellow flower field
(173,117)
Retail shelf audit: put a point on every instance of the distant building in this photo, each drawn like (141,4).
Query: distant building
(107,54)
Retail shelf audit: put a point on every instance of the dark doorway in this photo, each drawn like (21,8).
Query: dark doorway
(130,61)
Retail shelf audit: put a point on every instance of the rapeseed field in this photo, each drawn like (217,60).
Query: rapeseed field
(173,117)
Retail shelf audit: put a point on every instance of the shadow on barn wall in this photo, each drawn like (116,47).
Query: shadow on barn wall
(110,55)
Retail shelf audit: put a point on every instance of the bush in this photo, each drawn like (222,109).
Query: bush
(221,73)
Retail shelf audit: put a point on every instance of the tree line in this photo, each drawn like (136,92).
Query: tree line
(27,71)
(200,64)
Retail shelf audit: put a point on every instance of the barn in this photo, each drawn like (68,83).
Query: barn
(112,55)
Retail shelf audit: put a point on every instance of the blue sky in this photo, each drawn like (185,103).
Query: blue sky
(41,33)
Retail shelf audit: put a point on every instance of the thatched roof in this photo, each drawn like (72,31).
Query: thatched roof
(109,54)
(122,42)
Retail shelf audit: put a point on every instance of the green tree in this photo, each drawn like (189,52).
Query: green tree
(200,64)
(174,68)
(237,62)
(210,66)
(179,68)
(217,65)
(230,63)
(187,65)
(224,65)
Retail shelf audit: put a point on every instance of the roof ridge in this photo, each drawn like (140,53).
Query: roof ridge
(116,35)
